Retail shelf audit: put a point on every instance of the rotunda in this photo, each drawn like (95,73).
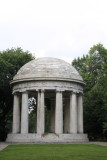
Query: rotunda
(58,81)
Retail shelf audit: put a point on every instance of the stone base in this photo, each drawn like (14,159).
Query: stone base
(47,138)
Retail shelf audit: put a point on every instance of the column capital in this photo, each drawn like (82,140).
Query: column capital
(59,90)
(80,94)
(38,90)
(76,91)
(16,94)
(42,90)
(73,92)
(24,91)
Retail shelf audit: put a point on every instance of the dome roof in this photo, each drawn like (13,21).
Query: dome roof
(47,68)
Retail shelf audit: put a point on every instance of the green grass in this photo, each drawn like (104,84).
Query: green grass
(54,152)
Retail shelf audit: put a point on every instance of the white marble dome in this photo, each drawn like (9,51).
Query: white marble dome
(48,68)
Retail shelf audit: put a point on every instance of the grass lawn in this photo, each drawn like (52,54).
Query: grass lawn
(54,152)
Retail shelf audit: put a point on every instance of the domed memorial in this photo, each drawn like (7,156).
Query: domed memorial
(58,82)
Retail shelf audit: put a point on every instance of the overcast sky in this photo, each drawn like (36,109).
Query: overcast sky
(53,28)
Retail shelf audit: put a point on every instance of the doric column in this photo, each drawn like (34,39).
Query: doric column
(80,113)
(40,113)
(24,113)
(16,114)
(59,113)
(52,127)
(73,113)
(66,116)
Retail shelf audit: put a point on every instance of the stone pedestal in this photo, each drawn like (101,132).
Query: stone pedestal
(47,138)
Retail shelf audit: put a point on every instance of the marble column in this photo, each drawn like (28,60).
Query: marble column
(66,115)
(40,113)
(52,127)
(73,113)
(59,113)
(16,114)
(24,113)
(80,114)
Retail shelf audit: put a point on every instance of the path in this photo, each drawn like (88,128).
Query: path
(3,145)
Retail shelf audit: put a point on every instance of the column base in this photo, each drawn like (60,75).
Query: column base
(47,138)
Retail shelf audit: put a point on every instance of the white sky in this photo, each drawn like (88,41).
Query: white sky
(53,28)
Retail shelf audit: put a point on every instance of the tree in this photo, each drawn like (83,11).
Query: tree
(93,68)
(10,62)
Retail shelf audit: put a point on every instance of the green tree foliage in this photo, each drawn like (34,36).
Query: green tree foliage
(93,69)
(10,62)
